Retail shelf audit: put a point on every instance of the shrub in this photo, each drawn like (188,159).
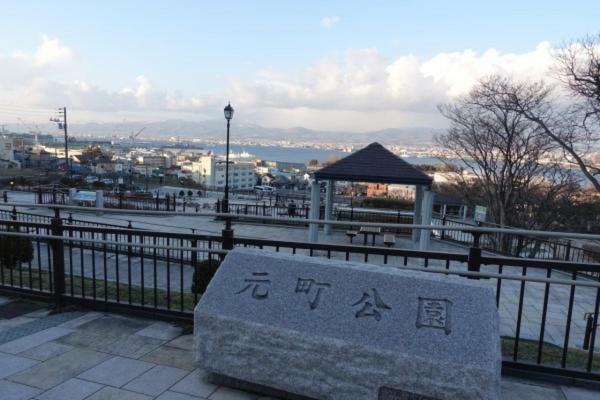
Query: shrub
(15,250)
(203,274)
(190,193)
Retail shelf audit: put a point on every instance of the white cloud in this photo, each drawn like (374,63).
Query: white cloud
(364,80)
(51,52)
(358,90)
(326,22)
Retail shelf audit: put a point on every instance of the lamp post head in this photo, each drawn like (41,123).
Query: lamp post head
(228,111)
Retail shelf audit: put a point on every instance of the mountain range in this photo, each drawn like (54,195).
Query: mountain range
(215,130)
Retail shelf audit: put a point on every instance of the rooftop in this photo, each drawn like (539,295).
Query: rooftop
(365,165)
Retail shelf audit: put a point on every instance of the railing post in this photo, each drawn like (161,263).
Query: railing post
(14,213)
(120,201)
(589,327)
(167,201)
(194,253)
(40,201)
(264,209)
(474,260)
(227,238)
(58,259)
(443,234)
(568,251)
(53,196)
(398,221)
(157,202)
(5,196)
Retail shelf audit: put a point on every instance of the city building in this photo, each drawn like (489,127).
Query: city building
(6,149)
(210,172)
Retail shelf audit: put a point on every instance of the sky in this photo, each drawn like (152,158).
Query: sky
(335,65)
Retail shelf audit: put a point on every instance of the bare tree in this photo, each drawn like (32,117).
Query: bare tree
(509,155)
(573,123)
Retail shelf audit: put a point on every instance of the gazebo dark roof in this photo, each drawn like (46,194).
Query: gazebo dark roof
(373,163)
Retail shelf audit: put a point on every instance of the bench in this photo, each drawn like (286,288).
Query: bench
(351,234)
(389,239)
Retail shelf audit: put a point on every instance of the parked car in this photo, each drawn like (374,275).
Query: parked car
(107,181)
(264,189)
(91,179)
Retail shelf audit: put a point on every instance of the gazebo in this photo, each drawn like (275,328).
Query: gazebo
(374,164)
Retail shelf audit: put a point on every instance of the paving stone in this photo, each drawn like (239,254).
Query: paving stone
(41,313)
(35,325)
(92,339)
(176,396)
(156,380)
(10,364)
(59,369)
(184,342)
(46,351)
(73,389)
(195,384)
(111,323)
(30,341)
(13,322)
(161,330)
(225,393)
(77,322)
(116,371)
(514,390)
(18,307)
(133,346)
(172,357)
(15,391)
(574,393)
(111,393)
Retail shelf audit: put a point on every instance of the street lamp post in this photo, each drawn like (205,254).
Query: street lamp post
(227,232)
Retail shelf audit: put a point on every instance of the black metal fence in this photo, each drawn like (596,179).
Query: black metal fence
(266,210)
(542,303)
(515,245)
(123,202)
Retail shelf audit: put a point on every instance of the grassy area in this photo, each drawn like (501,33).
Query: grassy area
(551,354)
(106,290)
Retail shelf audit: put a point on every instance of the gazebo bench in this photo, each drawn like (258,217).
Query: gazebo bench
(389,239)
(351,234)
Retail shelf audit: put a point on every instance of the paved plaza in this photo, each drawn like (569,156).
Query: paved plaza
(81,355)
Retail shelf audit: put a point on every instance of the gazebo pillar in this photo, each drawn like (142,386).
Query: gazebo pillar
(315,205)
(329,205)
(417,212)
(426,213)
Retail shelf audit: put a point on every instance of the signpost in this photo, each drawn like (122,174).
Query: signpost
(480,213)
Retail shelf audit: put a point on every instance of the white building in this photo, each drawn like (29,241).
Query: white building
(210,172)
(6,149)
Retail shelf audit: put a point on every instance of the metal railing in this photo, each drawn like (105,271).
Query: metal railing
(542,303)
(514,244)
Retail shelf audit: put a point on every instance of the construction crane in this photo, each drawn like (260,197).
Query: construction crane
(31,129)
(134,135)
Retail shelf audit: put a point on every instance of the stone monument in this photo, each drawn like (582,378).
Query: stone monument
(308,327)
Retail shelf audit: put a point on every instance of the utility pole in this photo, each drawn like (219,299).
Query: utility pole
(62,124)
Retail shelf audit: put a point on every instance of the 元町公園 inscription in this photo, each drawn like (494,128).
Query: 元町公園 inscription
(260,285)
(434,313)
(306,285)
